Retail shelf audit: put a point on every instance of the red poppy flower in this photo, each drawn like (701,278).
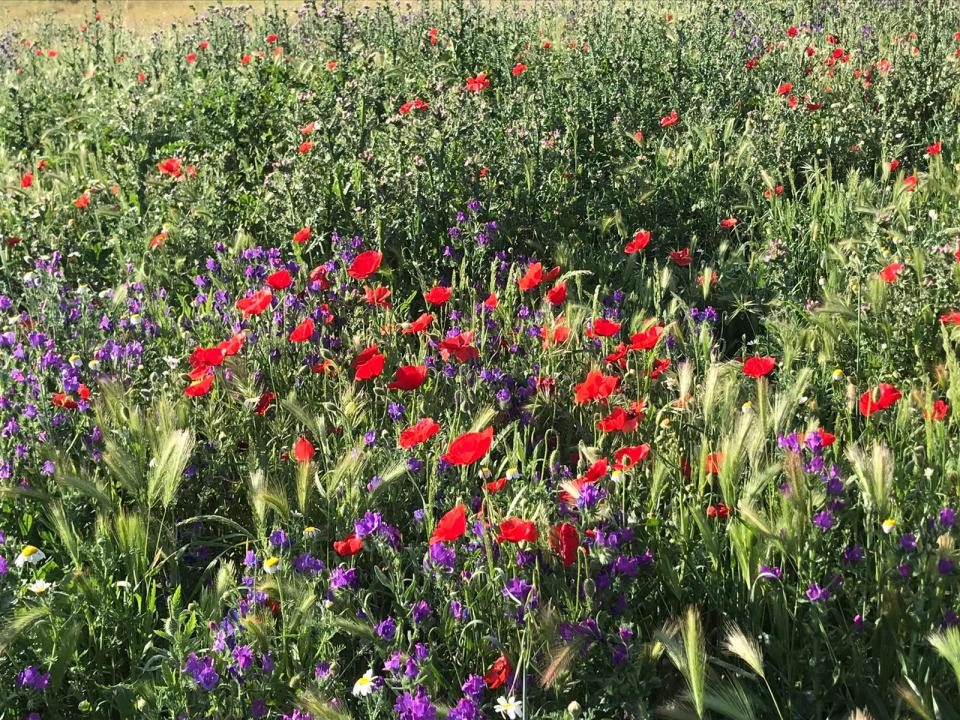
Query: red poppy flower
(378,296)
(660,366)
(62,400)
(478,83)
(459,346)
(170,166)
(27,180)
(438,295)
(158,241)
(784,88)
(364,355)
(365,264)
(626,458)
(433,35)
(232,346)
(890,272)
(469,447)
(596,386)
(417,104)
(203,358)
(451,526)
(303,450)
(557,294)
(603,328)
(303,331)
(826,438)
(934,149)
(648,339)
(597,470)
(938,411)
(408,377)
(564,541)
(496,486)
(199,387)
(271,38)
(951,318)
(879,398)
(302,235)
(641,238)
(558,335)
(191,57)
(82,201)
(305,147)
(255,304)
(618,356)
(518,69)
(498,673)
(681,257)
(263,404)
(308,128)
(910,182)
(492,301)
(668,120)
(280,280)
(713,463)
(532,277)
(517,530)
(894,164)
(619,421)
(718,511)
(419,325)
(729,223)
(416,434)
(370,368)
(350,545)
(759,366)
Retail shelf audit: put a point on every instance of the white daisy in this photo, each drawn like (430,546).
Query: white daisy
(271,565)
(509,707)
(39,586)
(365,684)
(29,554)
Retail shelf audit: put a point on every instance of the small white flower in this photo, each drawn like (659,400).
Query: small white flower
(509,707)
(309,531)
(365,684)
(39,586)
(928,473)
(513,474)
(888,525)
(271,565)
(29,555)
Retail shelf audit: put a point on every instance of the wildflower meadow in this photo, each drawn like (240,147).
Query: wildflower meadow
(456,360)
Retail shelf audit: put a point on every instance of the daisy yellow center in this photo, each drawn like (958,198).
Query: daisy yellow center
(29,551)
(271,562)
